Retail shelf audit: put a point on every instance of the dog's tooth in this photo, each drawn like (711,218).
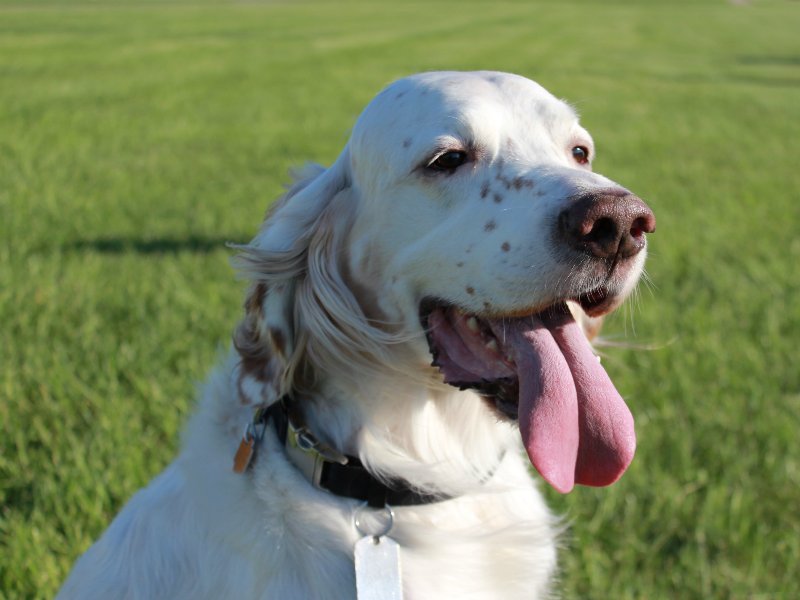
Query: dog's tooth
(597,356)
(472,324)
(491,345)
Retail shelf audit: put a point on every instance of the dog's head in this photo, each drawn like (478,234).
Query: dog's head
(462,223)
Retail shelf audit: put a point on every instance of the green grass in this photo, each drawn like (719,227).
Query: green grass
(136,139)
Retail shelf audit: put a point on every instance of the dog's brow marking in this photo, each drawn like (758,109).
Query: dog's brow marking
(506,247)
(490,225)
(497,198)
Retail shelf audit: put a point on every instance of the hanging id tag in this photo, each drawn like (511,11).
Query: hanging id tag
(377,556)
(247,446)
(378,569)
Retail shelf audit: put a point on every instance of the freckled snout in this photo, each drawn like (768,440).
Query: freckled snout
(606,224)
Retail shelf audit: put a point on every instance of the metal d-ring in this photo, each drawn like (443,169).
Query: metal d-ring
(385,526)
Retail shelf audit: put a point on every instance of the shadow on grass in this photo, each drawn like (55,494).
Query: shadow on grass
(784,64)
(771,60)
(119,245)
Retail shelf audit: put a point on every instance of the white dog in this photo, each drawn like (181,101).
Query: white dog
(410,329)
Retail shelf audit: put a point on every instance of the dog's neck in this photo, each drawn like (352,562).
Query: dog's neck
(433,436)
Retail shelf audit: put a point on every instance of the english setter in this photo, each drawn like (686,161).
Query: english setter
(418,316)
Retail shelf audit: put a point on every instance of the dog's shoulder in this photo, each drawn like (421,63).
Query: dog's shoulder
(148,532)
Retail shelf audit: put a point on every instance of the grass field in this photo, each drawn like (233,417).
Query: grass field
(136,139)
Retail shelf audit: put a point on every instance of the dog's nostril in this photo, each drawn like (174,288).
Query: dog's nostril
(646,223)
(603,231)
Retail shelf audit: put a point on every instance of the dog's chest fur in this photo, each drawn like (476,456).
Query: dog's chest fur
(202,531)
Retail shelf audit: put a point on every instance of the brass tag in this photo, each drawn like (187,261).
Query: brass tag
(244,454)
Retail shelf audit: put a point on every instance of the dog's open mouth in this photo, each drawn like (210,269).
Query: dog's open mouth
(541,370)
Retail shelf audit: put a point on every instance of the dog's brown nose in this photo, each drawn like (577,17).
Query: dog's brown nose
(607,224)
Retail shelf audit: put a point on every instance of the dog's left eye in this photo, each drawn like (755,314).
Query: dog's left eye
(580,154)
(448,161)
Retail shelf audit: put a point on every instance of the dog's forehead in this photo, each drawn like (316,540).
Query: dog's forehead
(470,104)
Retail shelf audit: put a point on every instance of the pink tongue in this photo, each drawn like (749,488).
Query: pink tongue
(575,426)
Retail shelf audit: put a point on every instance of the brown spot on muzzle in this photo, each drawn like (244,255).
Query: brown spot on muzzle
(521,182)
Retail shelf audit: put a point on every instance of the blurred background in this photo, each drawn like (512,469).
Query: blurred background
(137,138)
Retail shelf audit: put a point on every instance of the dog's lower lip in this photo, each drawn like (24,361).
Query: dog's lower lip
(595,302)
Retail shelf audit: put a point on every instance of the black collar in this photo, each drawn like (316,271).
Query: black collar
(329,470)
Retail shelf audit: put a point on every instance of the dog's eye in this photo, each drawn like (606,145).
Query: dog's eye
(580,154)
(448,161)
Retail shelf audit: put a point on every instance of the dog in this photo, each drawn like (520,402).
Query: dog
(416,335)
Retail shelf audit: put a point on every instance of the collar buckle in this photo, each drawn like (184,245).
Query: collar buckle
(308,454)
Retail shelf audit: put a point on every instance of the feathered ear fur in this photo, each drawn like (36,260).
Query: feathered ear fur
(268,339)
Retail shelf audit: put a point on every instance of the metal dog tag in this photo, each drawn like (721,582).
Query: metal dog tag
(378,569)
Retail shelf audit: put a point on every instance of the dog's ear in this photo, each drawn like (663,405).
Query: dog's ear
(267,339)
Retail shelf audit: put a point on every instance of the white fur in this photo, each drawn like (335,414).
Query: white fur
(339,269)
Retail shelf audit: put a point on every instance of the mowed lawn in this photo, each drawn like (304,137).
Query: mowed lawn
(135,140)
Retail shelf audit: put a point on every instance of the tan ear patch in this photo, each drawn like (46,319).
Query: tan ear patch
(247,339)
(278,340)
(255,299)
(253,352)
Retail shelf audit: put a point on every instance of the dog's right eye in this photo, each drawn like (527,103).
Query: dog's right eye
(580,154)
(448,161)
